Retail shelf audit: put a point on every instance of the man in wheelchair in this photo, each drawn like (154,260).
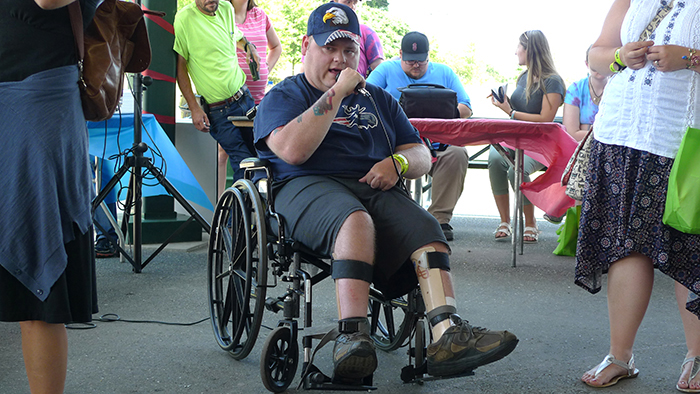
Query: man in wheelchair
(338,148)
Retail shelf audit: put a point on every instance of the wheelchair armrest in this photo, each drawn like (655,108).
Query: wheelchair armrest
(254,162)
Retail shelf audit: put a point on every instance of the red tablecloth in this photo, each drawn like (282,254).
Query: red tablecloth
(548,143)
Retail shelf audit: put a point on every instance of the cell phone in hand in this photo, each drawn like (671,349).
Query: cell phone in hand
(500,93)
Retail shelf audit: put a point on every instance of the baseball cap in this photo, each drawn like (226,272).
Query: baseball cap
(332,21)
(414,46)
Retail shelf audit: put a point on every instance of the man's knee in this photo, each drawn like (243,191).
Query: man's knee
(355,239)
(358,226)
(454,157)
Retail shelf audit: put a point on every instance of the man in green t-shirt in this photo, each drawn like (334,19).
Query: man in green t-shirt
(206,38)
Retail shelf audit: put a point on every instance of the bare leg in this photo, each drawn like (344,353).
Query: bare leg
(45,349)
(691,327)
(355,241)
(221,170)
(630,281)
(503,205)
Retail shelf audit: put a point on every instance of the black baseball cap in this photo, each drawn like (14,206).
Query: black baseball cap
(331,21)
(415,46)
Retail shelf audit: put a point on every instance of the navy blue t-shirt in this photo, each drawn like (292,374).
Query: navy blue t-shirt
(356,140)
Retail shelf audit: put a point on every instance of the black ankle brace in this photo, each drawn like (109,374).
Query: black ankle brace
(441,313)
(353,324)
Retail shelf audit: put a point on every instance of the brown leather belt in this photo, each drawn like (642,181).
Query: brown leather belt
(229,100)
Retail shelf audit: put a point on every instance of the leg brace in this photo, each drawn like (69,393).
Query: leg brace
(433,270)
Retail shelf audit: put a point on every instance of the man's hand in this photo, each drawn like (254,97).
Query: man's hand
(347,81)
(382,175)
(200,119)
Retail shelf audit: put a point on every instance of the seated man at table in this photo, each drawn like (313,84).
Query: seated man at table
(450,168)
(337,160)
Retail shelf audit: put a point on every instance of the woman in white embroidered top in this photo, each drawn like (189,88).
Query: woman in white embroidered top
(652,98)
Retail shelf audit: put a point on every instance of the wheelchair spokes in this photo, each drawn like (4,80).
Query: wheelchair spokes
(390,321)
(237,269)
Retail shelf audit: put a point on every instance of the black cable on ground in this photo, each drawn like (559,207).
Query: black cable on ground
(113,317)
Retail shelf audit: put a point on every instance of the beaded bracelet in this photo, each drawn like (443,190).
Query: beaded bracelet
(694,59)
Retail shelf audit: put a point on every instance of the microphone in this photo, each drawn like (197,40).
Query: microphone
(358,89)
(362,91)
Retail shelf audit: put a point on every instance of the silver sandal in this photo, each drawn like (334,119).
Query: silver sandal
(693,373)
(631,372)
(505,229)
(532,232)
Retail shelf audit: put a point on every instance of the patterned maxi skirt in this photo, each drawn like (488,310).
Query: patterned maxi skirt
(622,213)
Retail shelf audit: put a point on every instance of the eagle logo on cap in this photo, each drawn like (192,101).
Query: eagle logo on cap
(337,16)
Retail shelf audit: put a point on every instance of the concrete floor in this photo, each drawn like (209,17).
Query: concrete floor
(563,329)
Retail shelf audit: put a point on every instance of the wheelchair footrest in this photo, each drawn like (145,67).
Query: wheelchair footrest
(317,380)
(411,374)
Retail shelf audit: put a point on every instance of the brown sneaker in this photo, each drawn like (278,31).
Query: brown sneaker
(354,356)
(463,348)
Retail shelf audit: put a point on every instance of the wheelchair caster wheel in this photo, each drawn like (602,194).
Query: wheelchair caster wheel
(280,358)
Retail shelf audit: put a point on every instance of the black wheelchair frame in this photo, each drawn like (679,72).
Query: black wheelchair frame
(248,243)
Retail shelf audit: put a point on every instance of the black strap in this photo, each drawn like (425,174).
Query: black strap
(352,269)
(441,313)
(439,260)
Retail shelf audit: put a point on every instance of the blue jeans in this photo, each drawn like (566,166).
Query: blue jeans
(237,142)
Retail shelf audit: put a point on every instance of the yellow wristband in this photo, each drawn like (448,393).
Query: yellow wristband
(617,58)
(617,65)
(402,161)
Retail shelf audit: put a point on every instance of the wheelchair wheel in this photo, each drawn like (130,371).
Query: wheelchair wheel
(237,268)
(280,356)
(391,321)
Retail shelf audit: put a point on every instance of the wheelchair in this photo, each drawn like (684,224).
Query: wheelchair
(250,255)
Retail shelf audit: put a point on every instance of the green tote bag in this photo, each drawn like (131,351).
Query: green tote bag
(682,210)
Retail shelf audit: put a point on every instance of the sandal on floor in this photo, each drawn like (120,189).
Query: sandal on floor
(505,229)
(693,373)
(532,232)
(631,372)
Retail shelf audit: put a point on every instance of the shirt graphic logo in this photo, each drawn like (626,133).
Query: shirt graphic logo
(357,117)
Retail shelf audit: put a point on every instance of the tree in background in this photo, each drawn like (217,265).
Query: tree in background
(379,4)
(390,30)
(289,19)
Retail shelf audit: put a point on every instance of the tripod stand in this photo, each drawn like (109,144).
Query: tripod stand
(138,163)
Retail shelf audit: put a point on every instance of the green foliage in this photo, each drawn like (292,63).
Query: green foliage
(289,20)
(380,4)
(389,29)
